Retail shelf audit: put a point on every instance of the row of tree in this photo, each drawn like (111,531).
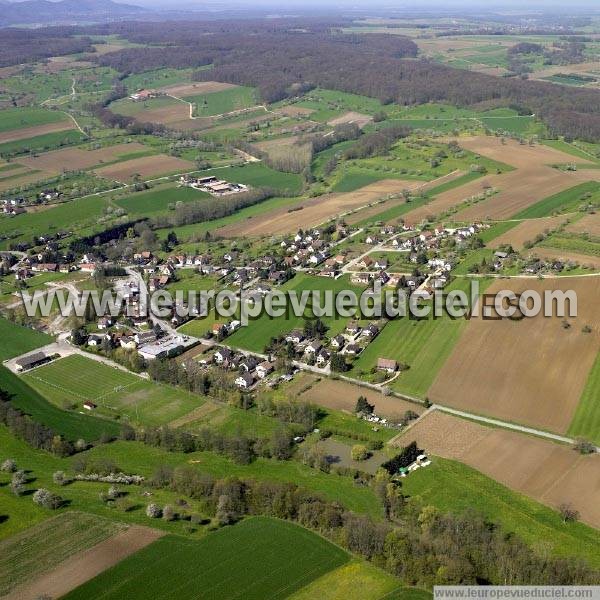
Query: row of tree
(417,543)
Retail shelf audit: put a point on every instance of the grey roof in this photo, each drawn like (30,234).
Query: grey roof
(32,359)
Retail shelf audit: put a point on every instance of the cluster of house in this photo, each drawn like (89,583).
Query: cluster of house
(351,343)
(307,249)
(16,206)
(251,369)
(13,206)
(212,185)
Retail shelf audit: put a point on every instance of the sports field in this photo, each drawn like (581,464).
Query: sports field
(75,379)
(278,559)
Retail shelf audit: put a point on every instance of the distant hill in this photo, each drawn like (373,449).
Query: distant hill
(43,12)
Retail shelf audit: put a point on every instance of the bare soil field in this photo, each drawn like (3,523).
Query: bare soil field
(314,210)
(527,230)
(531,181)
(581,68)
(548,472)
(342,395)
(531,371)
(101,49)
(295,111)
(585,260)
(167,115)
(351,117)
(77,570)
(25,179)
(29,132)
(56,64)
(521,156)
(589,224)
(74,159)
(267,145)
(197,88)
(9,71)
(146,167)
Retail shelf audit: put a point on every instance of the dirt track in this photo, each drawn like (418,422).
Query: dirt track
(548,472)
(531,371)
(81,568)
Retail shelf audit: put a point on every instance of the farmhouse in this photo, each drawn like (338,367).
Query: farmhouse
(264,369)
(245,381)
(387,364)
(89,405)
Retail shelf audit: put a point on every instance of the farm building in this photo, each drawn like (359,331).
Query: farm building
(387,364)
(33,360)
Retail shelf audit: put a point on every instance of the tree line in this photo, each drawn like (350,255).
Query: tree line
(419,544)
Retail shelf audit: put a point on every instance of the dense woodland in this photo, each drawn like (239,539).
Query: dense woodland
(285,58)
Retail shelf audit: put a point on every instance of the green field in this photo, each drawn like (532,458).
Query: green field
(424,345)
(225,101)
(571,242)
(156,78)
(564,201)
(41,143)
(258,175)
(278,559)
(41,548)
(83,212)
(586,422)
(452,486)
(16,340)
(75,379)
(159,199)
(356,580)
(17,118)
(129,108)
(260,331)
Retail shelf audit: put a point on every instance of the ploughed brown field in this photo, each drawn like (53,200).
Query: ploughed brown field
(295,111)
(146,167)
(530,371)
(314,211)
(342,395)
(74,159)
(548,472)
(589,224)
(28,132)
(78,569)
(532,180)
(351,117)
(527,230)
(195,89)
